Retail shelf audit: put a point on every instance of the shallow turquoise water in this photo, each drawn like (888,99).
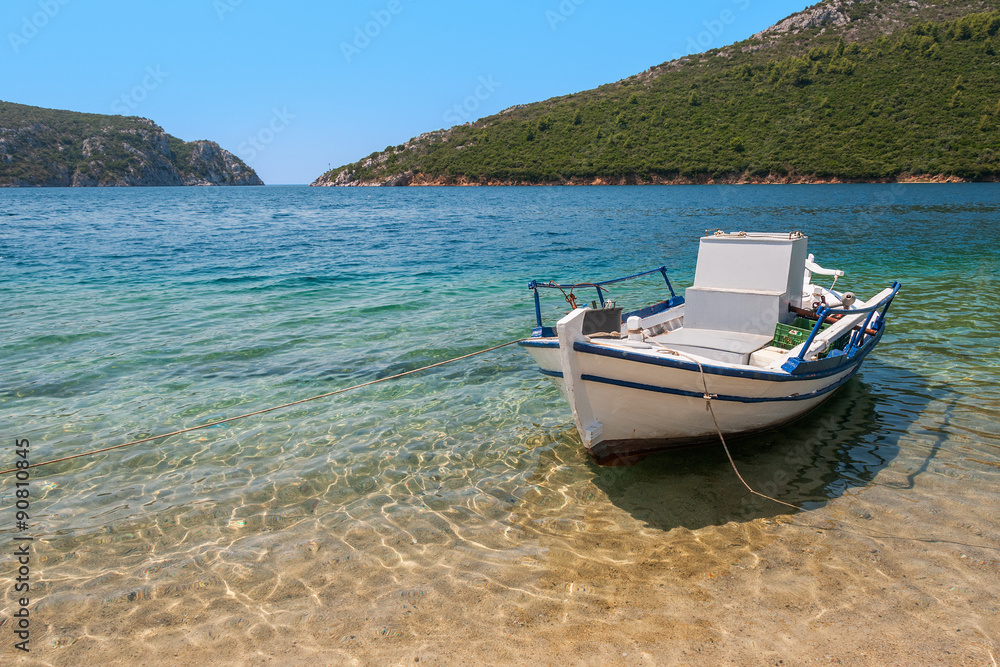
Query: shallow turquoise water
(134,312)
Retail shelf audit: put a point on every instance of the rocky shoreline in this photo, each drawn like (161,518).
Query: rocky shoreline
(419,180)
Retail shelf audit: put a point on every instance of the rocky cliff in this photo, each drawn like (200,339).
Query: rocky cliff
(46,147)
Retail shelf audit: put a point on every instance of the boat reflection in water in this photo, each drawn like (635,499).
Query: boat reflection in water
(840,446)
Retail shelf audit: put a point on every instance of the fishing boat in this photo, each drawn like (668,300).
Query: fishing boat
(753,344)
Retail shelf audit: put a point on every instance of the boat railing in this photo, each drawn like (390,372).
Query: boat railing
(860,335)
(535,285)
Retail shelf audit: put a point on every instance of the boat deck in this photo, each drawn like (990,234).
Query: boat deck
(729,346)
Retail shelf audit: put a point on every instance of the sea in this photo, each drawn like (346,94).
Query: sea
(452,516)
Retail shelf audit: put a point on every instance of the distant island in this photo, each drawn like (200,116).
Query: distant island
(844,91)
(47,147)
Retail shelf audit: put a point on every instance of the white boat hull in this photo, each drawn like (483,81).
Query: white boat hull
(729,358)
(631,402)
(642,407)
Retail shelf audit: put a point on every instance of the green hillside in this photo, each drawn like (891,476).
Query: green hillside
(877,90)
(48,147)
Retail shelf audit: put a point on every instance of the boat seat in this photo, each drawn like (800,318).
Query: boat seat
(730,347)
(726,325)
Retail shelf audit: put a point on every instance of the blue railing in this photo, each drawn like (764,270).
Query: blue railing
(534,285)
(859,337)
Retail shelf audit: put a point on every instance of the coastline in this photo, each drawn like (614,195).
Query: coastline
(419,180)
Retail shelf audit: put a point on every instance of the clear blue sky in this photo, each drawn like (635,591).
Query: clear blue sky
(311,89)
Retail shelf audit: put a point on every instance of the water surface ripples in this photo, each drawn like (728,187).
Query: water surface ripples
(453,513)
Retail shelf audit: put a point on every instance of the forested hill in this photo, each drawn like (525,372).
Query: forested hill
(862,90)
(47,147)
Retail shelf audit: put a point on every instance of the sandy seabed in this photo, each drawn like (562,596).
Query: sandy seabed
(587,567)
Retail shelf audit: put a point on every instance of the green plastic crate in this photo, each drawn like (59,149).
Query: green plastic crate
(787,336)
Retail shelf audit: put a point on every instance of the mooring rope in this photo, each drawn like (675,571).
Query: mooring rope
(708,401)
(708,405)
(260,412)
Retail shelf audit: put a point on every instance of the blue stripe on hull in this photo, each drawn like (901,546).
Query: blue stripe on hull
(824,367)
(539,343)
(721,397)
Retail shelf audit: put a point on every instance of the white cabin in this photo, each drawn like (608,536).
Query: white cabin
(743,286)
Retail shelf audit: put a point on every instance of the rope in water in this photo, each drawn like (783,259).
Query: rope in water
(708,400)
(708,405)
(260,412)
